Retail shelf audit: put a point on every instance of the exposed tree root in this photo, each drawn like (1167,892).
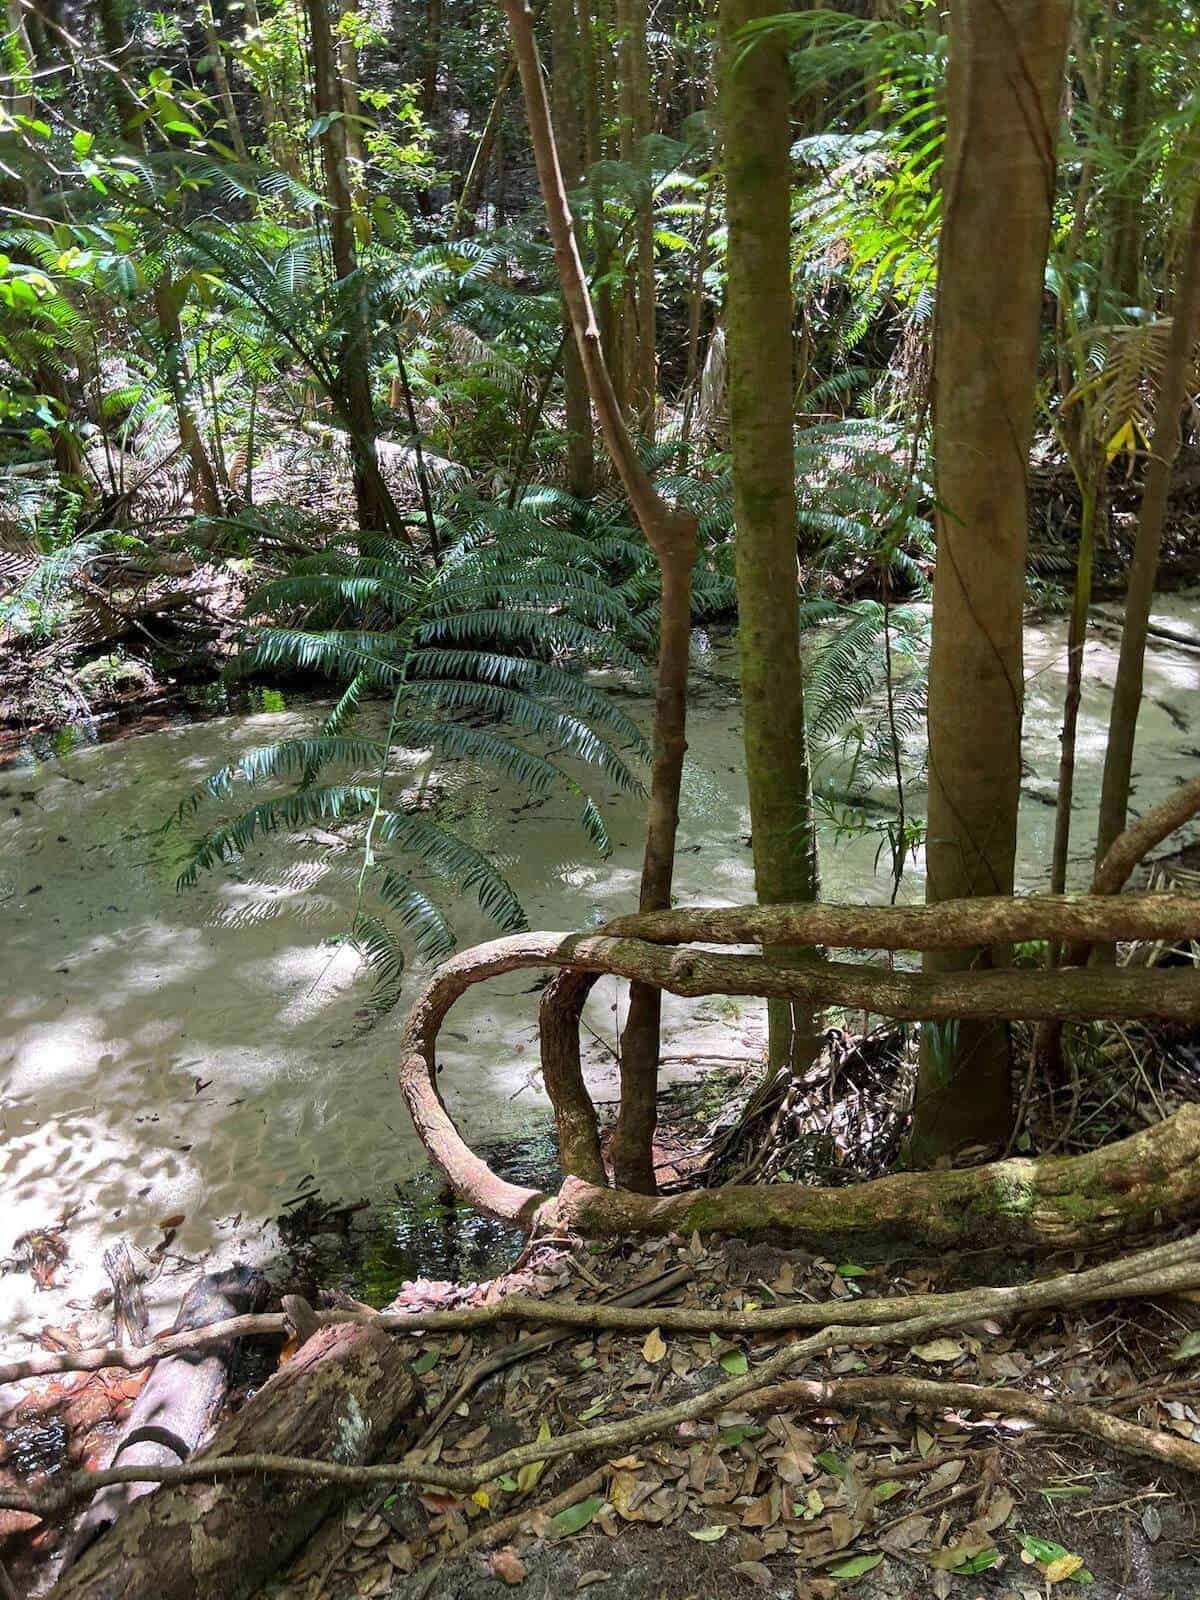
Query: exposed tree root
(1049,1203)
(1067,1289)
(1164,1269)
(1077,1201)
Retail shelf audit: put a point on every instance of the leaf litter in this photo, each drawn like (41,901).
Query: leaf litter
(873,1504)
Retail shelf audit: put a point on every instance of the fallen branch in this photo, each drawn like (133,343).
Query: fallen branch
(606,1436)
(996,994)
(1056,1416)
(1127,851)
(1164,1269)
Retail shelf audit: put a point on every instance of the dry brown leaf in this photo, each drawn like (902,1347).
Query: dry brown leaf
(400,1555)
(754,1572)
(998,1512)
(654,1348)
(508,1566)
(939,1351)
(943,1478)
(1064,1567)
(905,1535)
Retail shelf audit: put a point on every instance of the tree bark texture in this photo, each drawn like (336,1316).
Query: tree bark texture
(672,537)
(340,1397)
(756,127)
(1004,86)
(1139,596)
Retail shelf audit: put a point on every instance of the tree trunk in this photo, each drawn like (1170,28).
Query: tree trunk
(432,59)
(1076,644)
(593,48)
(375,507)
(1127,691)
(341,1395)
(351,85)
(672,537)
(212,42)
(206,496)
(1127,237)
(1054,1204)
(1004,85)
(111,17)
(635,122)
(756,124)
(581,462)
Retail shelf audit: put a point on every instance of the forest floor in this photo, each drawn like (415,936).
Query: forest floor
(883,1503)
(886,1502)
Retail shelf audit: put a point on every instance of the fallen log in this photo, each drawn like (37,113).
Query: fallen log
(180,1401)
(343,1395)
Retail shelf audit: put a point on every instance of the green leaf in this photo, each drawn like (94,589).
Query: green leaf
(573,1518)
(977,1563)
(831,1463)
(1046,1552)
(426,1361)
(82,142)
(888,1490)
(735,1435)
(850,1269)
(595,1408)
(735,1364)
(856,1567)
(1187,1347)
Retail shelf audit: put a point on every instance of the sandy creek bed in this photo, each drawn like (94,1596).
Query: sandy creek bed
(198,1053)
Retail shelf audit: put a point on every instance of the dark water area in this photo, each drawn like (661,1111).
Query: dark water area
(371,1252)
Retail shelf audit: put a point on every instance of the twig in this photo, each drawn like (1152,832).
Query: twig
(610,1436)
(496,1532)
(1162,1270)
(1056,1416)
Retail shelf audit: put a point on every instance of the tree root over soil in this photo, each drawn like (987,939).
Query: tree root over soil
(1149,1272)
(1051,1203)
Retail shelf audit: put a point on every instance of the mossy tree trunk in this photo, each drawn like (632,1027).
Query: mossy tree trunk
(568,125)
(1004,87)
(756,127)
(636,122)
(375,507)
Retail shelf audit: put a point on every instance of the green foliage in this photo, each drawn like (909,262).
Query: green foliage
(432,640)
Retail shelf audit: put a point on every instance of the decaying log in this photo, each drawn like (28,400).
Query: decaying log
(180,1401)
(342,1396)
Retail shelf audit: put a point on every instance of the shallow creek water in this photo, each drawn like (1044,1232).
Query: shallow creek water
(201,1054)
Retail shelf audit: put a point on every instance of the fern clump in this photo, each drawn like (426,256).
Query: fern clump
(478,659)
